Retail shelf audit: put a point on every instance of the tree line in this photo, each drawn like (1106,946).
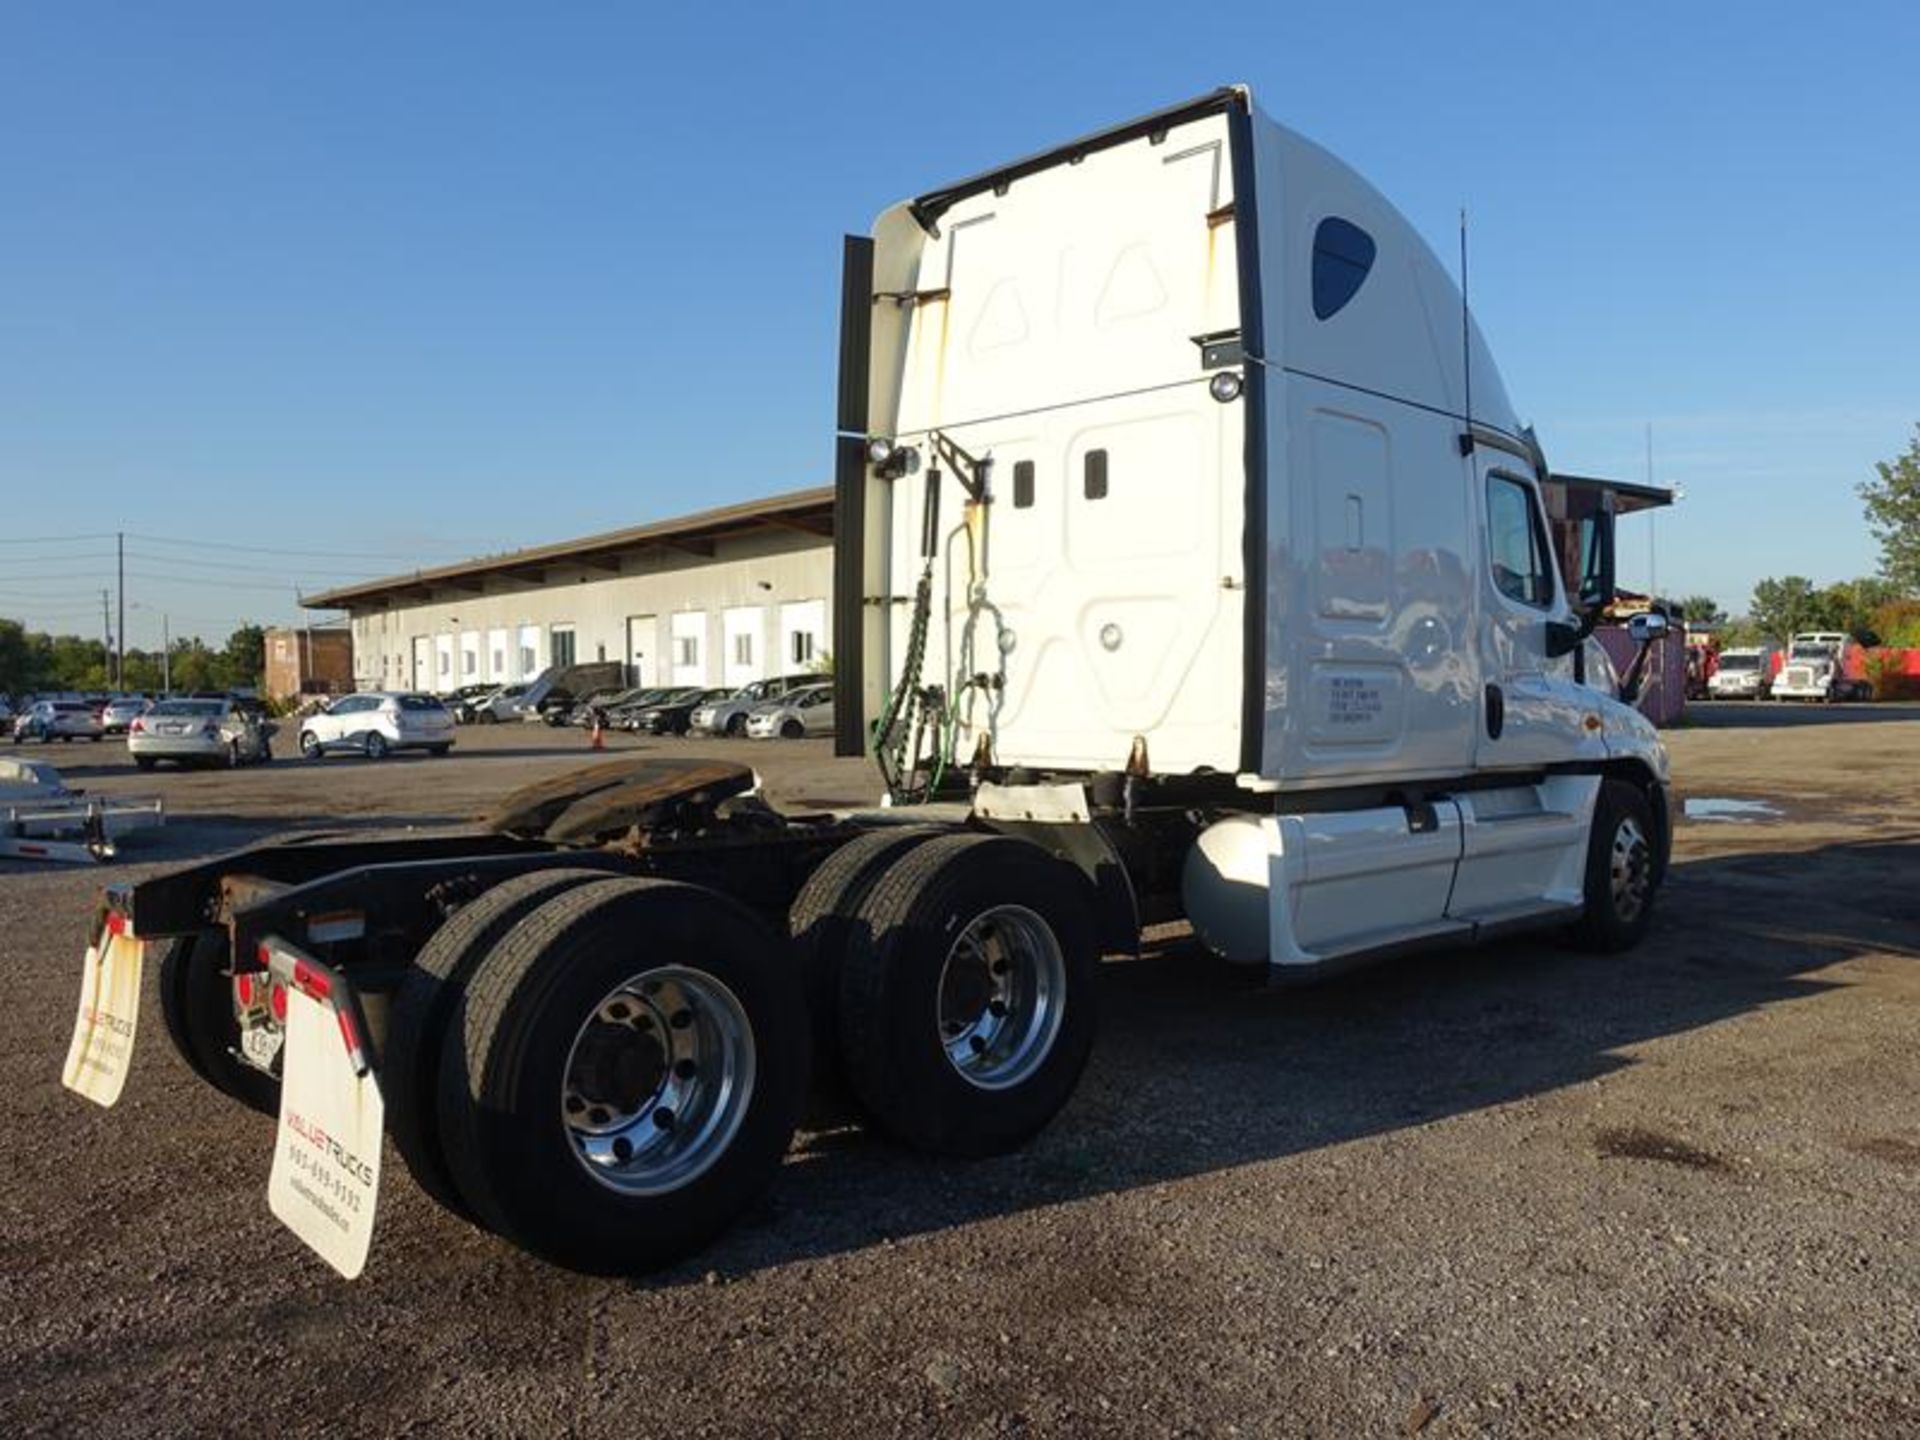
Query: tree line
(32,660)
(1882,609)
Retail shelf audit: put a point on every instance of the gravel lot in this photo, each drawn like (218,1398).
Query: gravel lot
(1518,1191)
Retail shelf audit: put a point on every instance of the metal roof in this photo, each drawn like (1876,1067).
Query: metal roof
(808,512)
(1628,495)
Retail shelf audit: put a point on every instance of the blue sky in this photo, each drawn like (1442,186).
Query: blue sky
(398,283)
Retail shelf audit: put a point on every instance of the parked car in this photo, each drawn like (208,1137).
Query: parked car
(563,708)
(807,711)
(121,712)
(505,703)
(461,703)
(50,720)
(729,716)
(200,732)
(672,713)
(627,703)
(378,722)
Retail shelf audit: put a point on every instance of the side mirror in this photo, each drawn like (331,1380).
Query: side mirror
(1645,629)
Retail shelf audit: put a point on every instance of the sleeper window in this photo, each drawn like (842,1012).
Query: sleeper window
(1516,544)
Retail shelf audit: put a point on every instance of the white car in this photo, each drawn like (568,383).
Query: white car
(378,722)
(807,711)
(50,720)
(199,732)
(122,711)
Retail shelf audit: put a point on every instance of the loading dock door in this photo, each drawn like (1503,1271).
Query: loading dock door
(422,663)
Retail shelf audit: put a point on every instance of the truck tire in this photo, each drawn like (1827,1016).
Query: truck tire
(967,994)
(423,1012)
(821,920)
(626,1073)
(1620,882)
(173,953)
(196,994)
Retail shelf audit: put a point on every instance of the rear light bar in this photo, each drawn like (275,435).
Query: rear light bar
(290,965)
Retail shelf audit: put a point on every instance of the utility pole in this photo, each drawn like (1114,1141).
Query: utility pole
(106,629)
(1653,570)
(166,655)
(120,661)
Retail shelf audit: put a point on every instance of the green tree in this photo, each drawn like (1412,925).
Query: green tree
(243,661)
(1784,607)
(1703,610)
(1893,514)
(1854,606)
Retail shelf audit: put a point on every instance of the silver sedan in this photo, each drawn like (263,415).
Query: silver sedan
(198,732)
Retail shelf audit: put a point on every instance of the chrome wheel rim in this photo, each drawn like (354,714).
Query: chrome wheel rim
(1002,995)
(658,1080)
(1629,868)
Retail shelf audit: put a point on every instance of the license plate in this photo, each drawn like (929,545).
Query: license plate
(172,729)
(103,1028)
(326,1159)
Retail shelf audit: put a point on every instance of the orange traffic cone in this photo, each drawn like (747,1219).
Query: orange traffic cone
(598,734)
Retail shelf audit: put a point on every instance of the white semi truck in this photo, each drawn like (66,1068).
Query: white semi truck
(1816,669)
(1190,560)
(1744,673)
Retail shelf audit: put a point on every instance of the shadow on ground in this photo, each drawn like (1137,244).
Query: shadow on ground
(1197,1070)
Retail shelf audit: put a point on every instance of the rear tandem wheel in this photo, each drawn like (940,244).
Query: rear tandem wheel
(624,1074)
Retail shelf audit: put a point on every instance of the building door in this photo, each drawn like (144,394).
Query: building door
(743,657)
(528,659)
(443,680)
(640,665)
(422,662)
(803,637)
(497,672)
(690,648)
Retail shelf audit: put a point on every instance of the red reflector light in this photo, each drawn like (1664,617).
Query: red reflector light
(243,990)
(116,923)
(311,980)
(138,727)
(277,1001)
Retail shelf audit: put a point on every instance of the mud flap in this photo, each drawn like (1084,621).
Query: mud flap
(325,1183)
(109,1012)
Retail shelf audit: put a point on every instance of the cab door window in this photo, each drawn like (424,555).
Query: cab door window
(1517,542)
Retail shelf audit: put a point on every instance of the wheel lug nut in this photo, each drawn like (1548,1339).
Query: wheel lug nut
(978,1044)
(999,967)
(681,1019)
(997,1008)
(623,1149)
(664,1119)
(686,1070)
(575,1104)
(599,1115)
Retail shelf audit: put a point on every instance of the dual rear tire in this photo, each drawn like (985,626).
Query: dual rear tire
(606,1072)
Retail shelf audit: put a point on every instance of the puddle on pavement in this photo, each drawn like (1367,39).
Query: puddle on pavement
(1737,811)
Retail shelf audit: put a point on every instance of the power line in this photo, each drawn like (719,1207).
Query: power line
(400,557)
(52,539)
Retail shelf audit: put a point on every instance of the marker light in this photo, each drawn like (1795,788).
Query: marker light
(879,450)
(1225,386)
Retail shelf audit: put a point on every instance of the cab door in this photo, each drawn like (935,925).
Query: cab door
(1529,715)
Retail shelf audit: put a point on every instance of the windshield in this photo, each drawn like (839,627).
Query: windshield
(1813,652)
(1739,662)
(202,708)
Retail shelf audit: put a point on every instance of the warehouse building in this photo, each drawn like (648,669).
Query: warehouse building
(311,660)
(722,597)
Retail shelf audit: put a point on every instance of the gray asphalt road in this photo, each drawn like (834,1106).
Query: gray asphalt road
(1518,1192)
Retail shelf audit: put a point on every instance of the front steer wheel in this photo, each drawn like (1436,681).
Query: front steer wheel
(967,994)
(1622,870)
(624,1074)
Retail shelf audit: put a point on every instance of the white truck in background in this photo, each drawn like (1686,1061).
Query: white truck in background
(1817,668)
(1190,560)
(1745,673)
